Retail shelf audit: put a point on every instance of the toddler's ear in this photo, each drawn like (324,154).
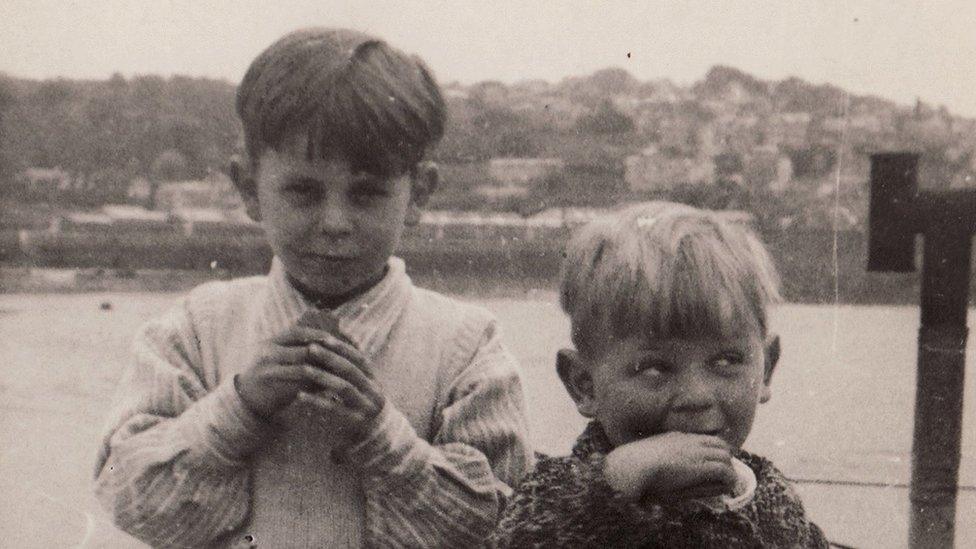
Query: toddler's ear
(772,357)
(246,186)
(423,182)
(576,377)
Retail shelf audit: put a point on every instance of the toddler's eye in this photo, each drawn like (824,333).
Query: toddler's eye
(728,361)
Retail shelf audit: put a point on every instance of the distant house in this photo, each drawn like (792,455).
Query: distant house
(217,191)
(216,222)
(652,170)
(522,171)
(857,129)
(115,219)
(139,191)
(767,168)
(130,218)
(45,180)
(82,222)
(813,162)
(728,167)
(567,217)
(788,129)
(677,135)
(735,133)
(560,112)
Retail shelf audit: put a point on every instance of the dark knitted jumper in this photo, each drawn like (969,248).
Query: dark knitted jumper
(565,502)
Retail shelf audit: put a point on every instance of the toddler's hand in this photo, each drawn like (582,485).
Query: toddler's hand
(671,466)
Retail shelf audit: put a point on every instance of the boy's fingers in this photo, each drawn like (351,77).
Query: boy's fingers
(328,404)
(299,335)
(278,354)
(346,351)
(285,373)
(304,335)
(339,366)
(345,393)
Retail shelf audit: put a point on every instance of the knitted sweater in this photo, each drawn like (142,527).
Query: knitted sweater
(565,502)
(185,463)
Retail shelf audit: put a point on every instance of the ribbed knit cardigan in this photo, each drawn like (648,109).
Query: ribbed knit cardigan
(567,502)
(185,463)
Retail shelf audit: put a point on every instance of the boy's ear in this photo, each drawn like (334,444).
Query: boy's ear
(424,181)
(576,377)
(246,186)
(772,357)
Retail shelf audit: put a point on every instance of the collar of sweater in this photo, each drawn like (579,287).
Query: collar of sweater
(366,319)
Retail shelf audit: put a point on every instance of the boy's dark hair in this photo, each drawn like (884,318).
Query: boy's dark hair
(353,96)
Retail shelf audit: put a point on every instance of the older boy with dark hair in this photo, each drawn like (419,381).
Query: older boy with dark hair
(331,402)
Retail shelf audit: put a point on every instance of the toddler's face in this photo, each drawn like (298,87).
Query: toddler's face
(331,227)
(702,385)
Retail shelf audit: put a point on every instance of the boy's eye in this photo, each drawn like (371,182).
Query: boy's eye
(369,189)
(652,367)
(302,189)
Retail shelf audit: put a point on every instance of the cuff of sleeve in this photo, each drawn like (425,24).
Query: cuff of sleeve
(223,427)
(391,449)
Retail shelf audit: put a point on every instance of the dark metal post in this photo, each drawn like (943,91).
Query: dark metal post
(898,212)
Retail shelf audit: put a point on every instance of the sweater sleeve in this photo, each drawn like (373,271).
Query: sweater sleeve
(170,469)
(566,502)
(448,493)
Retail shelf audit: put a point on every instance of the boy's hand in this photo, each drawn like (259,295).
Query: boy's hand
(278,373)
(671,466)
(344,389)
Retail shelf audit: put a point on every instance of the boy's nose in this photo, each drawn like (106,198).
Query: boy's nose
(334,217)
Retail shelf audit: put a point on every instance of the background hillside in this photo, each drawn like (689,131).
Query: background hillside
(725,131)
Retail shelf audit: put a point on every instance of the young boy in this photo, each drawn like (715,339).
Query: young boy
(672,355)
(330,403)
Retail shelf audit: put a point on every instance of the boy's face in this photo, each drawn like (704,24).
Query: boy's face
(637,388)
(333,229)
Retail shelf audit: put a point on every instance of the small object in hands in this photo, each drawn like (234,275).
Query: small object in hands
(742,492)
(325,321)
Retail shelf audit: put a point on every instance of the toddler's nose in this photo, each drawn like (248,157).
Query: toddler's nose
(693,392)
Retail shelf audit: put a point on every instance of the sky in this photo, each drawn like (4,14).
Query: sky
(895,49)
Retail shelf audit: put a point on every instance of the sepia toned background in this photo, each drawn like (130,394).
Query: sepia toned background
(117,123)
